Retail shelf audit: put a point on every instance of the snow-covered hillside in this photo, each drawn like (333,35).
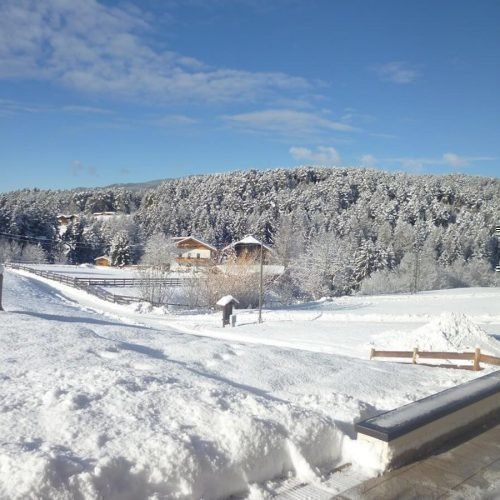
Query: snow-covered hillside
(102,401)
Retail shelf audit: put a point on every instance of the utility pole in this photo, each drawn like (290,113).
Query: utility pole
(418,244)
(417,266)
(2,267)
(497,233)
(261,284)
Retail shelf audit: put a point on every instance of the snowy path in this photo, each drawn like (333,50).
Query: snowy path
(92,406)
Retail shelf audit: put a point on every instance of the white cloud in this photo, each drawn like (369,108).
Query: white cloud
(381,135)
(368,160)
(454,160)
(323,155)
(398,72)
(8,106)
(99,48)
(78,168)
(175,120)
(86,109)
(287,123)
(448,159)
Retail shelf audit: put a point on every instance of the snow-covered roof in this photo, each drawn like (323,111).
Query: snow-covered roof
(103,257)
(180,239)
(227,299)
(247,240)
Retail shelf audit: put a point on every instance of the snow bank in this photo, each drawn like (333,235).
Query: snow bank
(130,459)
(448,332)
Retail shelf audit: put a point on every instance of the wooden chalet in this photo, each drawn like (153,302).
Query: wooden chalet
(64,220)
(248,250)
(193,252)
(103,260)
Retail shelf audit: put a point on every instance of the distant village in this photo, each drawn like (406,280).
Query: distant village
(192,251)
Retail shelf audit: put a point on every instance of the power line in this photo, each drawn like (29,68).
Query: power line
(45,240)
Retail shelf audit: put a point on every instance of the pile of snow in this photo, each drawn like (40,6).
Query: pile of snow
(448,332)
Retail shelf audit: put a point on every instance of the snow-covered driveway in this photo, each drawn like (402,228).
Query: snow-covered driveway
(94,407)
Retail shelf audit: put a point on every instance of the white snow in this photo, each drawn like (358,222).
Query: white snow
(88,270)
(448,332)
(227,299)
(247,240)
(106,401)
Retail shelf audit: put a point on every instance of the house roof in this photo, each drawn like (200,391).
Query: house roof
(180,239)
(247,240)
(103,257)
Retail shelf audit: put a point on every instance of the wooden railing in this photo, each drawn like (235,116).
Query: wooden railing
(476,357)
(131,282)
(92,285)
(118,282)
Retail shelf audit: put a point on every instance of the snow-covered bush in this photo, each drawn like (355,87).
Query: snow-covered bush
(154,288)
(431,276)
(159,252)
(33,254)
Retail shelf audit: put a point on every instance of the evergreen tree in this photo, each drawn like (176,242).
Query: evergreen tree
(120,249)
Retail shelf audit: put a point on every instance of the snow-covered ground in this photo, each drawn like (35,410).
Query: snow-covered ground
(88,271)
(91,271)
(106,401)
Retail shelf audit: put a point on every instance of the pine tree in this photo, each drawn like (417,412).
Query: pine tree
(120,249)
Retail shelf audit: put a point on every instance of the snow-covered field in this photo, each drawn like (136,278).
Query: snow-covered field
(122,402)
(88,271)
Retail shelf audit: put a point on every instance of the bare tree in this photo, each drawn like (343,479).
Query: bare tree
(237,277)
(326,267)
(159,252)
(154,287)
(33,254)
(155,270)
(10,251)
(288,241)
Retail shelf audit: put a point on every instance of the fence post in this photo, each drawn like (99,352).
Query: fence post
(477,358)
(415,353)
(372,353)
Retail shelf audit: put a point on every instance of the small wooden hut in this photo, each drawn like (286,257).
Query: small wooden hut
(103,260)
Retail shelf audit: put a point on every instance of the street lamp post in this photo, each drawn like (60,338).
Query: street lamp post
(2,267)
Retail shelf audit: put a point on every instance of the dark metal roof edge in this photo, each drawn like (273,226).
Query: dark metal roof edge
(370,428)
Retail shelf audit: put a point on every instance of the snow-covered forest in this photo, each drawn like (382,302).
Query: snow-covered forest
(336,231)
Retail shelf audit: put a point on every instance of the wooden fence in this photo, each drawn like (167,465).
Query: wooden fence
(476,357)
(118,282)
(92,285)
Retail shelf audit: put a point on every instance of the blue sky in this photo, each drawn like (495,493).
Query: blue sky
(100,92)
